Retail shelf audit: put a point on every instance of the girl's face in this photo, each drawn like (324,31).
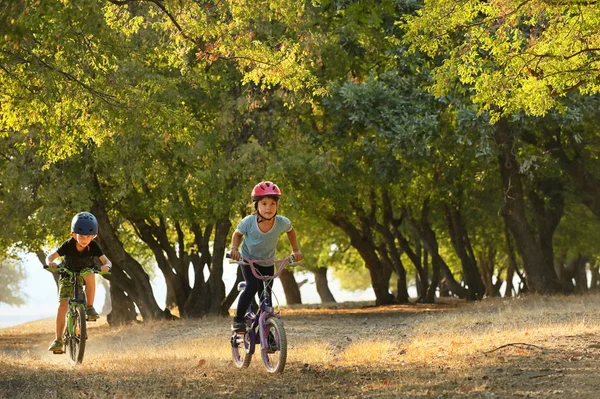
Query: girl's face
(83,240)
(267,207)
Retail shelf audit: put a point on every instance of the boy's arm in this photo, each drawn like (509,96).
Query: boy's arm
(50,259)
(236,240)
(106,263)
(294,242)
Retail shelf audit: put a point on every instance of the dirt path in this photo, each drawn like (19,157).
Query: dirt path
(443,351)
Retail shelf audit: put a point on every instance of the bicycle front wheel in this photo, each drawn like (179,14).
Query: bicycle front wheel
(240,350)
(77,336)
(274,355)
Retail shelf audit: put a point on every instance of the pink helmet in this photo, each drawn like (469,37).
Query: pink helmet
(265,189)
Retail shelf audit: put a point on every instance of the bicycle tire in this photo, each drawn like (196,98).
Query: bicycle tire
(275,356)
(77,337)
(240,350)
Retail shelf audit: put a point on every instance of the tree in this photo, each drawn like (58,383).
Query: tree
(513,59)
(11,277)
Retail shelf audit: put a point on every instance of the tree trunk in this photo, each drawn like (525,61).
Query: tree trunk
(444,290)
(436,277)
(429,239)
(581,283)
(548,207)
(512,263)
(233,293)
(155,237)
(389,250)
(402,284)
(290,287)
(421,274)
(365,246)
(323,285)
(206,297)
(541,277)
(595,275)
(123,308)
(462,245)
(127,274)
(487,272)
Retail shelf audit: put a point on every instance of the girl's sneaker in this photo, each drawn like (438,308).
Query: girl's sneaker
(238,325)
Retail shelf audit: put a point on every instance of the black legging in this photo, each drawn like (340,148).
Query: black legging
(253,285)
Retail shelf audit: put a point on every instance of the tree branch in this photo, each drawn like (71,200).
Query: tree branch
(198,43)
(514,344)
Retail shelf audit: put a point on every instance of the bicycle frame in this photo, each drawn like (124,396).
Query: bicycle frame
(77,306)
(261,318)
(265,308)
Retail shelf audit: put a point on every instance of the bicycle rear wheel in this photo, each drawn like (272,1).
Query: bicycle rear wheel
(77,336)
(240,350)
(275,355)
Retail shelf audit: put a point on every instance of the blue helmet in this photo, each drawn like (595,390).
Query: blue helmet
(84,223)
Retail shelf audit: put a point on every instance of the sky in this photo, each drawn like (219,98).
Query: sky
(41,296)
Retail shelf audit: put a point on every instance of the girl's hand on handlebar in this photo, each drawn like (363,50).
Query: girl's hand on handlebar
(104,268)
(297,256)
(234,254)
(52,264)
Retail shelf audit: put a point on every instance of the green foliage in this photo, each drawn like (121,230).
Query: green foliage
(353,280)
(576,233)
(510,56)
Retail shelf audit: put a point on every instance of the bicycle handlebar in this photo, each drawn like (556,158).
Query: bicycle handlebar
(71,272)
(249,262)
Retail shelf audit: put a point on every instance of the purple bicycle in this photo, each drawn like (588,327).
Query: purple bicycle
(263,327)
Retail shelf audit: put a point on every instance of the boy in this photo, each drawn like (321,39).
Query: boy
(78,252)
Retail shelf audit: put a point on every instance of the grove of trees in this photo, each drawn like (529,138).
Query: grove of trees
(449,145)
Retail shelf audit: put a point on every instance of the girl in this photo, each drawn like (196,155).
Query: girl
(262,230)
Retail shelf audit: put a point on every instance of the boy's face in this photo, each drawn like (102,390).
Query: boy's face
(83,240)
(267,207)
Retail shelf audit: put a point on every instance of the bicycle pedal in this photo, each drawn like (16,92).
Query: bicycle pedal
(60,352)
(91,319)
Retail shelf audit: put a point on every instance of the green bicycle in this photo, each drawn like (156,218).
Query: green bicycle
(75,334)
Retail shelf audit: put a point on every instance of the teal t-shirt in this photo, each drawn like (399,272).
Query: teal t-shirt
(258,245)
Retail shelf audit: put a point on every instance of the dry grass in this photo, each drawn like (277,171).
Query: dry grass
(525,347)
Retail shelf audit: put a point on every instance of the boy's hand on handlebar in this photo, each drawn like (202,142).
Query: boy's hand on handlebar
(104,268)
(52,264)
(297,256)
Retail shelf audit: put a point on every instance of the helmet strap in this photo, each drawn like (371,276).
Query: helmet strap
(261,218)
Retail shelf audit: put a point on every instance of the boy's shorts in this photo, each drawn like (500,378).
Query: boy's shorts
(65,286)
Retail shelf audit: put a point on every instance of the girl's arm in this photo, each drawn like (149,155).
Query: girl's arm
(106,263)
(294,242)
(236,240)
